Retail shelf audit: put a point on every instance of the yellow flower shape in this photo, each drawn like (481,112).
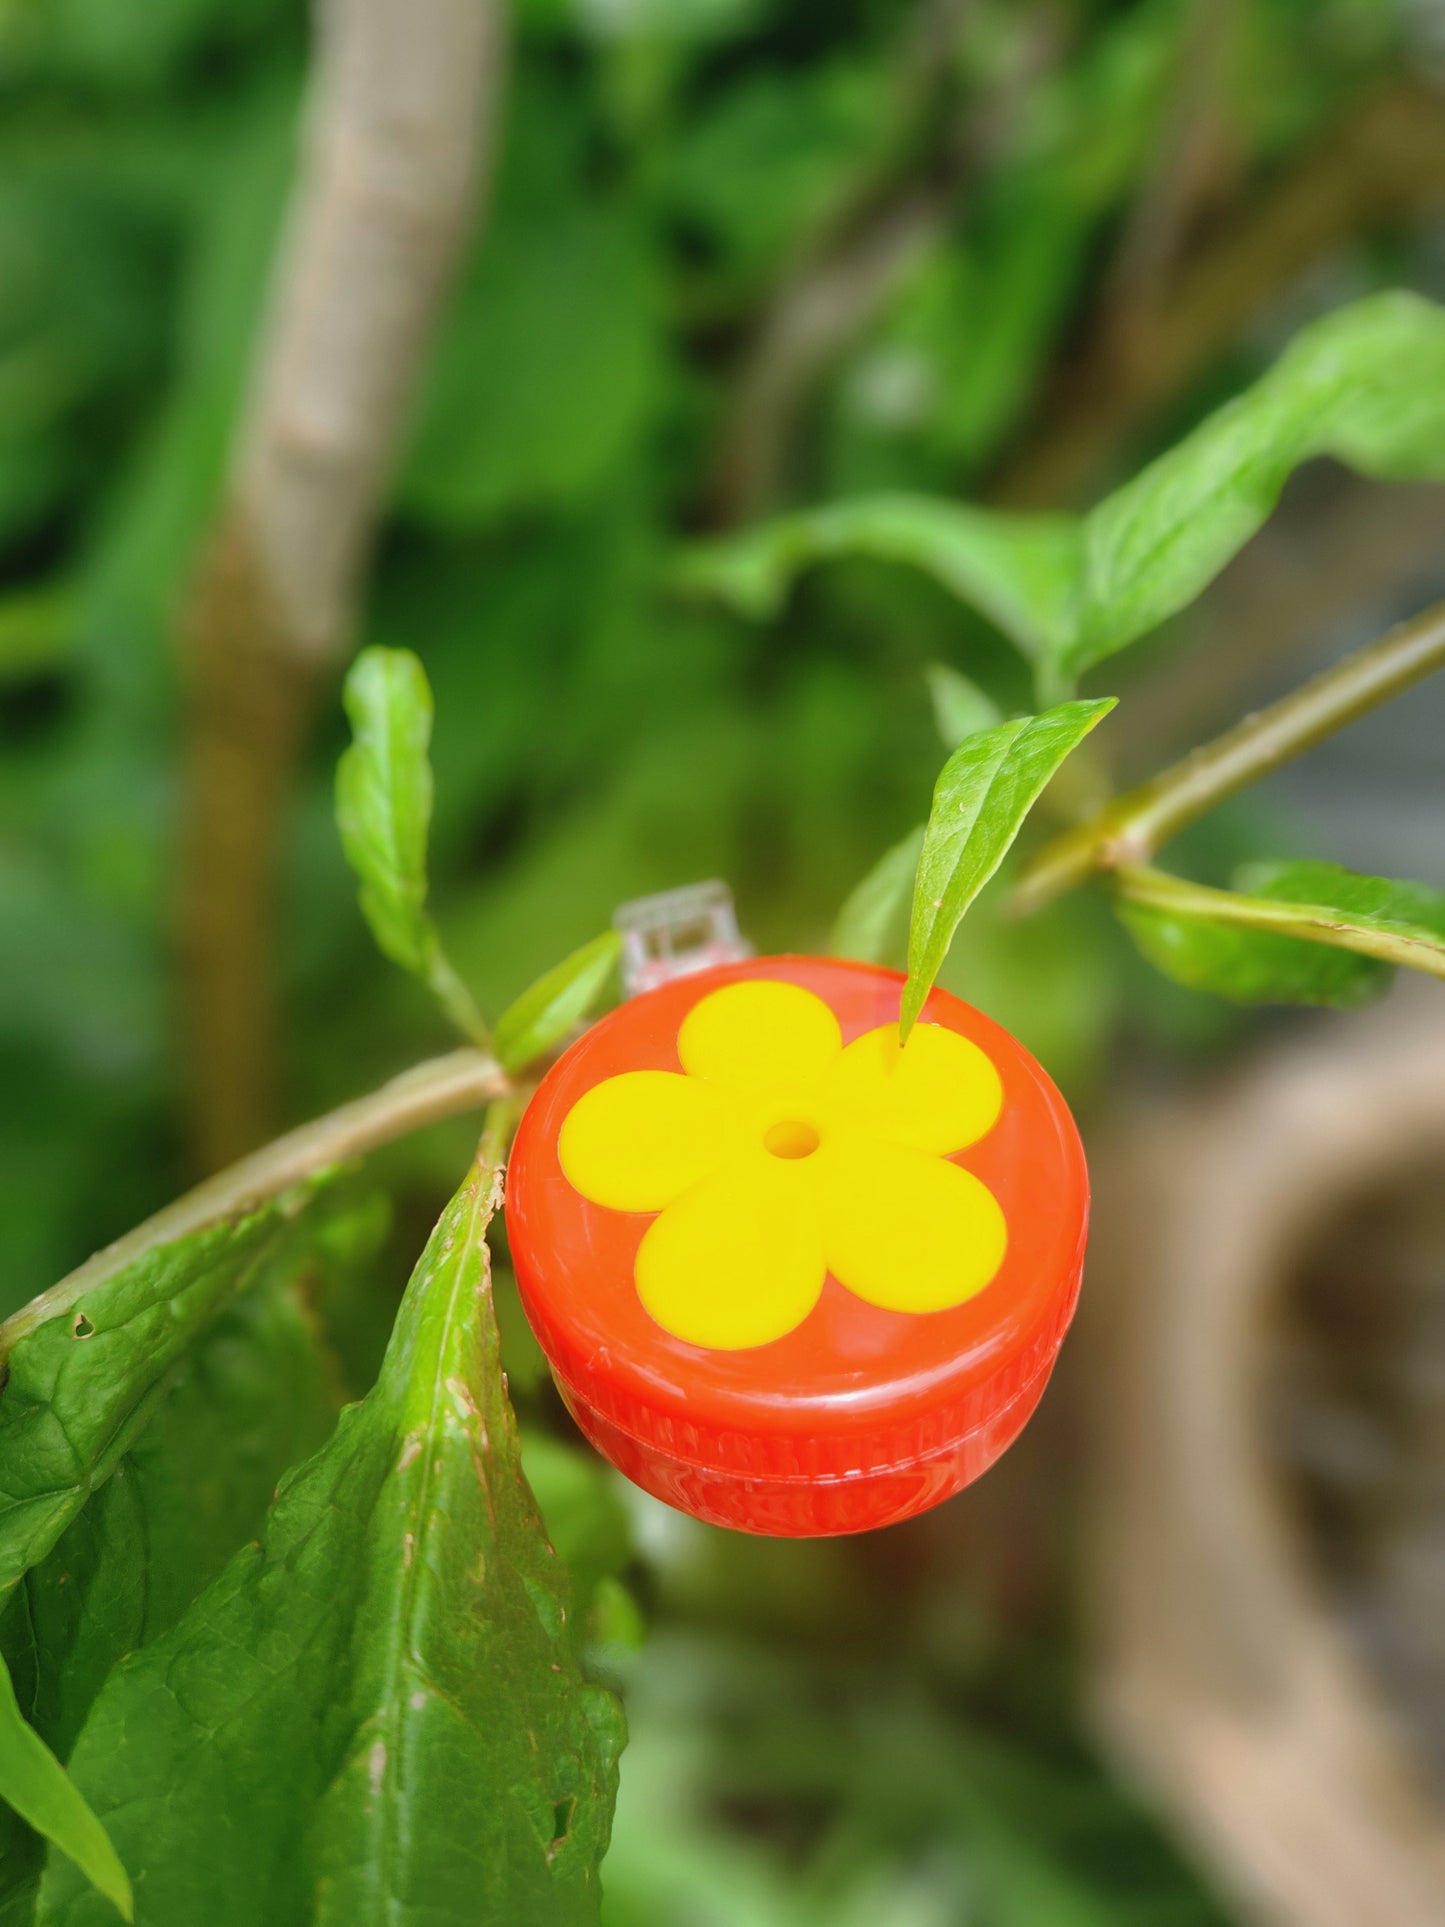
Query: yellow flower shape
(777,1156)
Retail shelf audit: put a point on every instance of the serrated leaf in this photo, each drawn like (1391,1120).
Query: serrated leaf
(873,920)
(1020,570)
(984,792)
(383,814)
(1287,934)
(42,1792)
(545,1012)
(377,1714)
(960,707)
(252,1397)
(83,1385)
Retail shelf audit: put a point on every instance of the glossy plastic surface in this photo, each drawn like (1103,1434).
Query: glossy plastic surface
(858,1417)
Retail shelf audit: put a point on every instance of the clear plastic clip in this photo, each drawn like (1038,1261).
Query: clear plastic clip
(677,932)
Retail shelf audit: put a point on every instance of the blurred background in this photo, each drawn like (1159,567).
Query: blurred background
(707,259)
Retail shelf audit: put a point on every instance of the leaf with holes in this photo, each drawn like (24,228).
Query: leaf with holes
(254,1395)
(84,1383)
(984,792)
(83,1386)
(377,1714)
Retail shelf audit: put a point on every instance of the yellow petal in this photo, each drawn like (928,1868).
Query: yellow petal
(755,1035)
(938,1092)
(637,1141)
(736,1261)
(905,1230)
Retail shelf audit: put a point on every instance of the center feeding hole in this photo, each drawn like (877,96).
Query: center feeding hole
(791,1139)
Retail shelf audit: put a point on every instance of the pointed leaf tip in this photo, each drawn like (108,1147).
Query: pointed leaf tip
(34,1782)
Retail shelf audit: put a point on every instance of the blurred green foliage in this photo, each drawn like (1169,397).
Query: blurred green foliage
(667,166)
(662,168)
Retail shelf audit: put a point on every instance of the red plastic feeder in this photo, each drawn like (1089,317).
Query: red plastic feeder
(790,1277)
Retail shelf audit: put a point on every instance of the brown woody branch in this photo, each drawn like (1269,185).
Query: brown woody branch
(399,125)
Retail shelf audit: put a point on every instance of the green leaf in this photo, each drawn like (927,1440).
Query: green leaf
(1365,384)
(960,707)
(377,1714)
(1019,570)
(544,1014)
(1292,933)
(383,812)
(83,1385)
(253,1396)
(870,926)
(76,1613)
(584,1516)
(984,792)
(38,1787)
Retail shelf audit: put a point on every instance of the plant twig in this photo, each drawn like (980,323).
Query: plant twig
(442,1087)
(1310,922)
(399,124)
(1131,828)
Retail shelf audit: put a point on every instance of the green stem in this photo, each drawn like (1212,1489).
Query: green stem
(454,997)
(499,1127)
(463,1080)
(1310,922)
(1132,827)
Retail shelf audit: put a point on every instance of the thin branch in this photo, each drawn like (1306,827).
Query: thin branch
(1310,922)
(464,1080)
(399,126)
(1132,827)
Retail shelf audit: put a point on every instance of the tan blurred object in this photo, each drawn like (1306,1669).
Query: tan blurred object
(398,131)
(1222,1675)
